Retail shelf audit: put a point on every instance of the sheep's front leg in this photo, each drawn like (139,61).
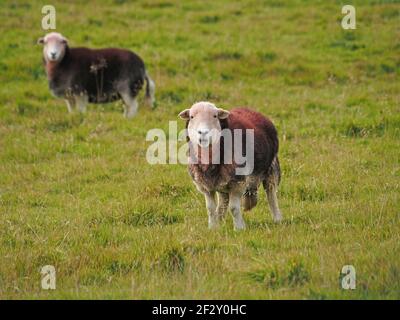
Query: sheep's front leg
(81,102)
(223,202)
(70,104)
(213,220)
(234,206)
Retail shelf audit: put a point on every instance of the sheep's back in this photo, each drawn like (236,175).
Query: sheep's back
(99,72)
(266,142)
(116,59)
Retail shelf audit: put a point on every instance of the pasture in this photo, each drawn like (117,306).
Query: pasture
(77,192)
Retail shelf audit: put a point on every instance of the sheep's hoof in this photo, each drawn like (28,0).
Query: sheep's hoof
(278,218)
(213,225)
(240,226)
(129,115)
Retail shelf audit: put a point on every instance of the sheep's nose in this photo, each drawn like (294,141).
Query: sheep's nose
(203,131)
(53,54)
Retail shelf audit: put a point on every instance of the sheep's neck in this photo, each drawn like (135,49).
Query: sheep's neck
(50,69)
(209,156)
(51,66)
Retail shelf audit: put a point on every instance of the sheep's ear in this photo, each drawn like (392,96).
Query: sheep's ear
(185,114)
(223,114)
(40,40)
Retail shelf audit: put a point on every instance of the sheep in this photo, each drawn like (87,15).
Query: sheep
(82,75)
(208,131)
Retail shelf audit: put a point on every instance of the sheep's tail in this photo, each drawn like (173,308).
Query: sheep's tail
(249,199)
(150,90)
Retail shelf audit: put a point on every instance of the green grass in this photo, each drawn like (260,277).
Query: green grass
(76,191)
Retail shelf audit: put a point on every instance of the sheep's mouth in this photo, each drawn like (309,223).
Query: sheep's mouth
(204,142)
(53,59)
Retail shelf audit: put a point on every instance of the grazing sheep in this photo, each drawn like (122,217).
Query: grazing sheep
(83,75)
(209,129)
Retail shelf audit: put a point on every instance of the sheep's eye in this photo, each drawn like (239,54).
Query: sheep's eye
(215,115)
(191,117)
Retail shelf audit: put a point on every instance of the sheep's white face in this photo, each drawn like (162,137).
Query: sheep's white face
(54,46)
(204,127)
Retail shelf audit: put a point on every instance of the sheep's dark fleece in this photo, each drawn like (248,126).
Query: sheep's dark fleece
(97,73)
(266,143)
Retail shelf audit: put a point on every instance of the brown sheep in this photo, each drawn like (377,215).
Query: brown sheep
(214,133)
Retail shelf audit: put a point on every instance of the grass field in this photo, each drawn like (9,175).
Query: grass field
(76,191)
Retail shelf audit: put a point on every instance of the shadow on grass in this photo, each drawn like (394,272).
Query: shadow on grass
(268,223)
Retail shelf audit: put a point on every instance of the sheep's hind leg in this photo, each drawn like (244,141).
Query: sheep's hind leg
(234,206)
(81,102)
(213,220)
(271,188)
(130,105)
